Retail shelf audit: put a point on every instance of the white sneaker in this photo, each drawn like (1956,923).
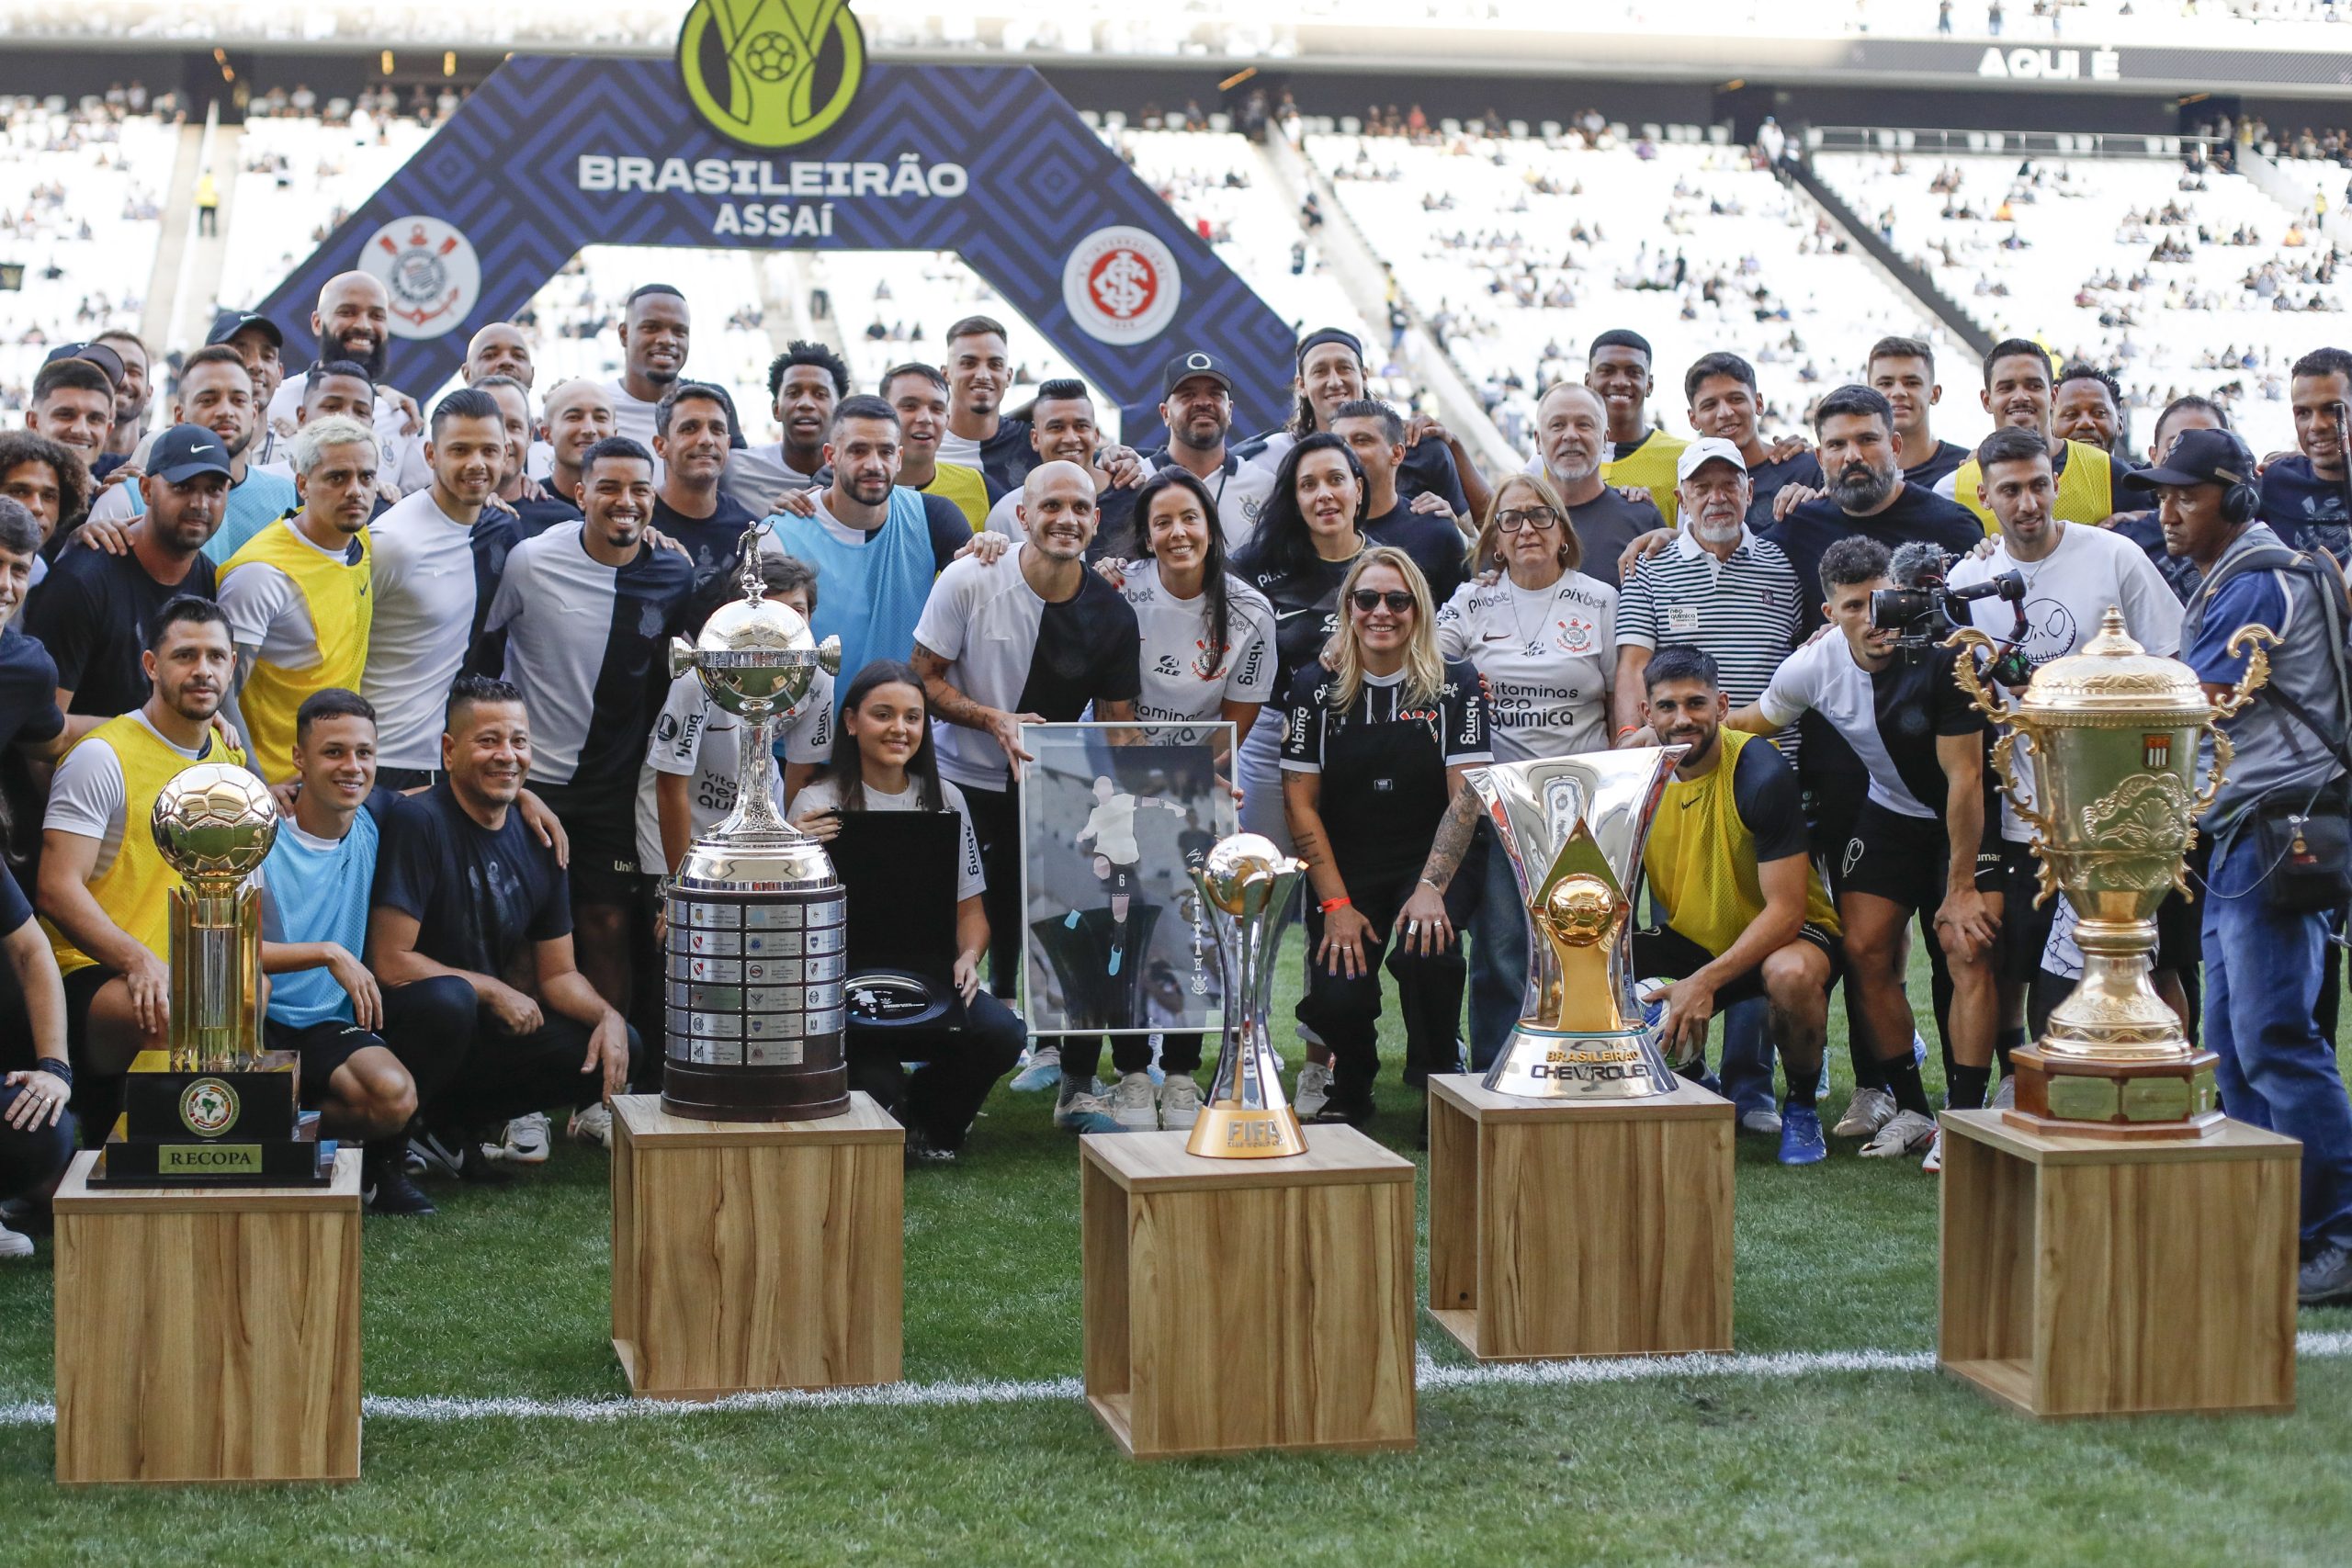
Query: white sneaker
(14,1244)
(1763,1123)
(527,1140)
(593,1125)
(1086,1113)
(1314,1090)
(1906,1133)
(1179,1102)
(1134,1105)
(1869,1109)
(2006,1096)
(1934,1164)
(1044,1070)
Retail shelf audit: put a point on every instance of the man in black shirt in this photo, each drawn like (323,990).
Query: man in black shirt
(2303,496)
(1903,371)
(1376,436)
(470,937)
(1572,424)
(1721,391)
(693,426)
(978,434)
(534,514)
(93,608)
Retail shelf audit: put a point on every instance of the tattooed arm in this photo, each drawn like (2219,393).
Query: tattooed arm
(956,708)
(1422,925)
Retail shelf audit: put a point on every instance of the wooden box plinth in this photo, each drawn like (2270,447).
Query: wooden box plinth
(1579,1227)
(207,1334)
(1250,1303)
(2092,1277)
(756,1255)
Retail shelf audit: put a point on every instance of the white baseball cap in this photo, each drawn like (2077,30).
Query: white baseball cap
(1707,449)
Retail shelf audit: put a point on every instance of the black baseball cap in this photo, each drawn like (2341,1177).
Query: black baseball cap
(97,354)
(185,451)
(229,323)
(2198,457)
(1184,367)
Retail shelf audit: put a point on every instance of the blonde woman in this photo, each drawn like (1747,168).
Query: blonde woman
(1377,739)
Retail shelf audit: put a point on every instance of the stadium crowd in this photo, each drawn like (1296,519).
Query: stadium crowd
(438,634)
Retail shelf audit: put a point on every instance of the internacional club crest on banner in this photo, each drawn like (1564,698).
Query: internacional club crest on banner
(429,268)
(1121,284)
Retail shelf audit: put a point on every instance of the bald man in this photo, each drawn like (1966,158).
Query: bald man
(578,414)
(500,349)
(353,322)
(1030,637)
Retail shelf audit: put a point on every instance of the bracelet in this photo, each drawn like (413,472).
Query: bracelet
(62,1071)
(1627,730)
(1341,902)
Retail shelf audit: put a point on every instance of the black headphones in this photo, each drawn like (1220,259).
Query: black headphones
(2241,503)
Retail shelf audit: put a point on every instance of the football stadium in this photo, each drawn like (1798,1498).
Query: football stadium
(1375,781)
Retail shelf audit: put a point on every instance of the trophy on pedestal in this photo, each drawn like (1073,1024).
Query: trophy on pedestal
(755,948)
(214,1109)
(2113,733)
(1574,828)
(1247,889)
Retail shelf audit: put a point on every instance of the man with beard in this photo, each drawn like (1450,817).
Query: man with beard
(1571,428)
(296,594)
(692,504)
(804,382)
(876,544)
(1196,404)
(2087,407)
(261,346)
(1028,636)
(104,887)
(1903,371)
(2018,393)
(96,609)
(1330,372)
(581,624)
(351,322)
(979,375)
(2303,495)
(1062,430)
(918,394)
(215,391)
(655,331)
(1721,391)
(131,396)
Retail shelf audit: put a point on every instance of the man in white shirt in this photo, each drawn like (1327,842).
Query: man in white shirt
(352,323)
(655,331)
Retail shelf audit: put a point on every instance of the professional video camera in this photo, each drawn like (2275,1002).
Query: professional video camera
(1926,612)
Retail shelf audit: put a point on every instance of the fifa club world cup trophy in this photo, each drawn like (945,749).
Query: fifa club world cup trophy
(1248,890)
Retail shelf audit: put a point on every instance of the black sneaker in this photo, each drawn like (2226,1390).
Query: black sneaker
(2327,1278)
(451,1153)
(921,1150)
(392,1193)
(1339,1109)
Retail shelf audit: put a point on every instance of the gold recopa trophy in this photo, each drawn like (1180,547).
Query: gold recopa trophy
(2112,732)
(1574,828)
(1247,889)
(215,1109)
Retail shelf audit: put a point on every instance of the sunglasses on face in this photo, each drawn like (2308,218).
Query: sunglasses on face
(1371,599)
(1526,517)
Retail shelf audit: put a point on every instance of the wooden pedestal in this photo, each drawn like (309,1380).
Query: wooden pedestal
(756,1255)
(2088,1276)
(207,1334)
(1258,1304)
(1579,1227)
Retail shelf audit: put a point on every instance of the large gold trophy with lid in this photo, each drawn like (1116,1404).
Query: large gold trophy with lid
(2113,733)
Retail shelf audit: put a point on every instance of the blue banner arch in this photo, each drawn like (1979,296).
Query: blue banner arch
(985,161)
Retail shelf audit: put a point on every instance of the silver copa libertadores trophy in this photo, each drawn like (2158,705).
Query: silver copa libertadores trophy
(756,916)
(1247,889)
(1574,828)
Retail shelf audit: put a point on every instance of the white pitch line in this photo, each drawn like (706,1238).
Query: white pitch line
(1429,1377)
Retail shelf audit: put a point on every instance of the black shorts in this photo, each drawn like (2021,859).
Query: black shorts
(602,830)
(1667,951)
(2025,930)
(1832,805)
(1905,860)
(81,989)
(324,1047)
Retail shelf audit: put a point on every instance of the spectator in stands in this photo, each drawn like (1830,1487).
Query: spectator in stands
(97,610)
(215,391)
(1376,436)
(261,346)
(655,331)
(2018,392)
(2088,408)
(1062,429)
(466,895)
(1721,391)
(72,404)
(1330,372)
(979,435)
(918,393)
(131,396)
(1641,456)
(804,383)
(578,414)
(2303,495)
(1903,371)
(1571,432)
(103,884)
(297,595)
(350,322)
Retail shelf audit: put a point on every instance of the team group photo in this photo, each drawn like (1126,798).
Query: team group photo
(1407,782)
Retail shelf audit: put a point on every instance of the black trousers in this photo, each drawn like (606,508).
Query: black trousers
(1129,1053)
(32,1157)
(480,1077)
(958,1068)
(996,827)
(1346,1012)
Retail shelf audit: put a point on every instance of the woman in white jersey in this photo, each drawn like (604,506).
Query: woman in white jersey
(1543,638)
(1208,658)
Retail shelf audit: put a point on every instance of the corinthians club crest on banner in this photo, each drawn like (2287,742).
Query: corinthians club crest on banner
(1121,284)
(430,270)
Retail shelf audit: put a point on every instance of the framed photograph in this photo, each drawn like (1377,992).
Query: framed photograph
(1112,818)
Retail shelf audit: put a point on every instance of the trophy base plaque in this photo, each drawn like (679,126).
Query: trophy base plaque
(1550,1064)
(2066,1096)
(1239,1131)
(241,1127)
(755,1005)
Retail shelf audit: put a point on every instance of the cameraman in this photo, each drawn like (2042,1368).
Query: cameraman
(2074,573)
(2267,920)
(1917,840)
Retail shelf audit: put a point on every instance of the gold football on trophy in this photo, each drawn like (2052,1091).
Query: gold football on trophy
(213,819)
(1234,864)
(1580,910)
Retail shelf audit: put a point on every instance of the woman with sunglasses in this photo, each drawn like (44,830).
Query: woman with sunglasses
(1377,741)
(1208,658)
(1544,637)
(883,760)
